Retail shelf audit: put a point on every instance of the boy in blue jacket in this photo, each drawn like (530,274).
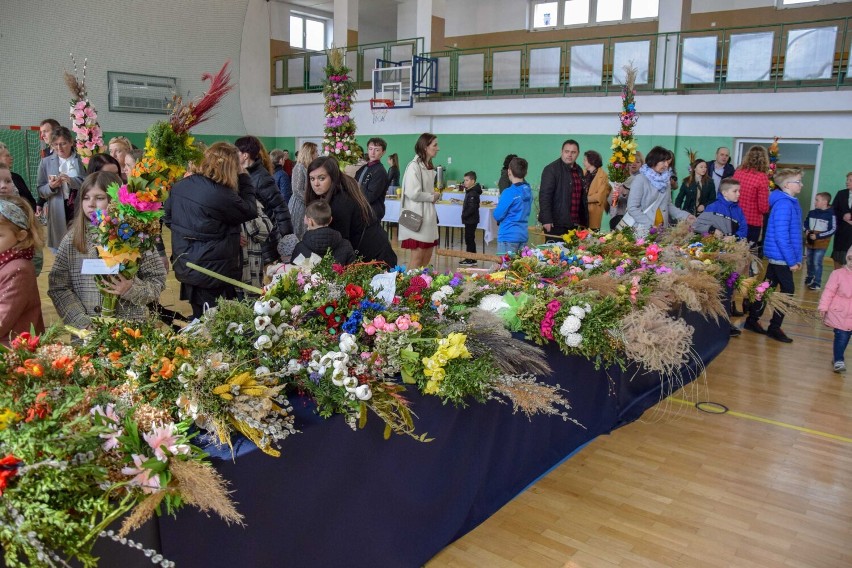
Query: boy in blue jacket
(820,225)
(724,216)
(782,247)
(513,209)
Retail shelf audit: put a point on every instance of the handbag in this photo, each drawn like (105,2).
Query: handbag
(408,218)
(628,221)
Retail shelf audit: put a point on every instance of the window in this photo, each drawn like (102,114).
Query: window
(584,12)
(307,32)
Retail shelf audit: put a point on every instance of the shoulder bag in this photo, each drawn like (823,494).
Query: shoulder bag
(408,218)
(629,221)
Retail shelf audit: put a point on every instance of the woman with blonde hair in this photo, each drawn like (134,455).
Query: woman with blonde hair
(204,212)
(754,192)
(119,146)
(419,196)
(299,183)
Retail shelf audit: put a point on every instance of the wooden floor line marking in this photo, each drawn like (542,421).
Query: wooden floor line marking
(774,422)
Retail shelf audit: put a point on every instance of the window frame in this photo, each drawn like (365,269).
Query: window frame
(304,18)
(593,10)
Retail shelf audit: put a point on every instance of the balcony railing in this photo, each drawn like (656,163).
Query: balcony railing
(809,55)
(305,72)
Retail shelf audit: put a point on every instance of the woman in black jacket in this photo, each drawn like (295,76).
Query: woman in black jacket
(393,171)
(351,215)
(251,150)
(204,212)
(697,190)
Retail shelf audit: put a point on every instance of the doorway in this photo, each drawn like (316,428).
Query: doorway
(803,154)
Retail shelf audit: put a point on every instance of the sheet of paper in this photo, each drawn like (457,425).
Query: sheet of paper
(384,285)
(98,266)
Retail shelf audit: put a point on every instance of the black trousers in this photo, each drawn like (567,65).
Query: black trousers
(470,236)
(776,274)
(754,235)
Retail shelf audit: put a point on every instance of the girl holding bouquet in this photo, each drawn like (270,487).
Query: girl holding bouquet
(77,296)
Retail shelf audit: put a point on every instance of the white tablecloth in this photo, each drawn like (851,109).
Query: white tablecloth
(449,215)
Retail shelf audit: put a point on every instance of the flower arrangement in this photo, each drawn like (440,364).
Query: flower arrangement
(353,340)
(773,161)
(130,225)
(339,92)
(80,450)
(84,117)
(623,144)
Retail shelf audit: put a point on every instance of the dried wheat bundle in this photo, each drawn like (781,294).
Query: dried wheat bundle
(655,340)
(605,284)
(531,397)
(202,486)
(141,513)
(512,356)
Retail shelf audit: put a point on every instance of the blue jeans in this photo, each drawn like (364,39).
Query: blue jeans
(815,257)
(504,247)
(841,340)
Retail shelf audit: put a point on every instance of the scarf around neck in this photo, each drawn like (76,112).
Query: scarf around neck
(659,181)
(12,254)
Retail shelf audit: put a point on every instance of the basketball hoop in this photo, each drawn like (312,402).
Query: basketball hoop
(379,108)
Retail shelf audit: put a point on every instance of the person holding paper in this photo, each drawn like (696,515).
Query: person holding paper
(71,284)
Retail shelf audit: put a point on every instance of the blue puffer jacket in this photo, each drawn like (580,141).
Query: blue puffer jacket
(784,229)
(731,210)
(513,212)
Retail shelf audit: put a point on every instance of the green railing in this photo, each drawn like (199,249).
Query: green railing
(812,54)
(795,55)
(304,72)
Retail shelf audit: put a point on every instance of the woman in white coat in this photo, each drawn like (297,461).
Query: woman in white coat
(419,196)
(59,178)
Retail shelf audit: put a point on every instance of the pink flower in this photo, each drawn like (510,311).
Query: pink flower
(124,196)
(111,421)
(403,323)
(379,322)
(163,440)
(370,329)
(80,105)
(142,477)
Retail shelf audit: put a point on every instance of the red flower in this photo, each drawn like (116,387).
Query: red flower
(26,341)
(582,234)
(8,468)
(338,268)
(40,409)
(354,292)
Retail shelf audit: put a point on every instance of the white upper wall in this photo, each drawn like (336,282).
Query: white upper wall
(473,17)
(156,37)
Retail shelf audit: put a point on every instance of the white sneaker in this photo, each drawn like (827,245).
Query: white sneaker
(839,367)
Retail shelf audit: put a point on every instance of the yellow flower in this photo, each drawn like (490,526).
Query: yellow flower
(7,418)
(121,256)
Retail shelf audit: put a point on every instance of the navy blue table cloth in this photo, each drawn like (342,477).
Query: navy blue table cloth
(338,497)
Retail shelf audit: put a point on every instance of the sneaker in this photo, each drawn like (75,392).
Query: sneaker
(839,367)
(735,331)
(754,326)
(778,335)
(467,262)
(815,287)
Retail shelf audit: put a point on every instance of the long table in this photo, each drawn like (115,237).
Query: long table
(337,497)
(449,216)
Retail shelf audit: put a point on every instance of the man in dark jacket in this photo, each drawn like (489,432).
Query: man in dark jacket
(561,196)
(373,178)
(720,168)
(267,193)
(319,238)
(470,214)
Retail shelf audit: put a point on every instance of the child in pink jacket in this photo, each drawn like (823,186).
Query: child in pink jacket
(835,306)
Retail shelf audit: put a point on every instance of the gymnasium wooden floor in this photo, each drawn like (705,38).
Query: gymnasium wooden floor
(769,484)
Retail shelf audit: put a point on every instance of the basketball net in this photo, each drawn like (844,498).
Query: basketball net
(379,108)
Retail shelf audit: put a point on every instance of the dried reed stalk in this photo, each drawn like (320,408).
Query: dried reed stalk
(202,486)
(473,255)
(141,513)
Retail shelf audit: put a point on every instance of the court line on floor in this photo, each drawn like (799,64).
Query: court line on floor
(773,422)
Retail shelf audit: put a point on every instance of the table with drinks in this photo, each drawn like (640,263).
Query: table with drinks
(449,209)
